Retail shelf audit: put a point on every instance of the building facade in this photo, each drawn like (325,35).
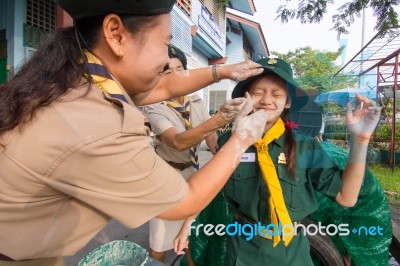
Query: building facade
(219,34)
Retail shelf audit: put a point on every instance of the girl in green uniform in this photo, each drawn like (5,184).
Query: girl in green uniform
(274,184)
(272,189)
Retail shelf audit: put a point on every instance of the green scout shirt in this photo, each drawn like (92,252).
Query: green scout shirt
(314,170)
(248,193)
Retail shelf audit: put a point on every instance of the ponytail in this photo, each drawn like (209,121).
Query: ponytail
(290,145)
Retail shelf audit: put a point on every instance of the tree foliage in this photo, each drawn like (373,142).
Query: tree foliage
(314,69)
(313,11)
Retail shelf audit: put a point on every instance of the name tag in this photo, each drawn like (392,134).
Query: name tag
(248,158)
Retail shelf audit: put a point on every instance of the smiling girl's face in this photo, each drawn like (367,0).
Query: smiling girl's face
(269,93)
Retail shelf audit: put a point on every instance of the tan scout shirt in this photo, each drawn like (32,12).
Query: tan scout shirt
(80,162)
(162,117)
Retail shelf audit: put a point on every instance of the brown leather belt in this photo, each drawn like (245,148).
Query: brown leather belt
(5,258)
(242,219)
(180,166)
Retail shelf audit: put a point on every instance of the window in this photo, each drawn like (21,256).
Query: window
(185,5)
(217,98)
(41,14)
(217,12)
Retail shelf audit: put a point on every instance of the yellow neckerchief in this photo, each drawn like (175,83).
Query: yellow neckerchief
(276,202)
(184,110)
(102,78)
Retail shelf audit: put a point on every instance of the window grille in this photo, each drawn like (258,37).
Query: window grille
(185,5)
(41,14)
(218,13)
(181,34)
(33,36)
(193,63)
(215,13)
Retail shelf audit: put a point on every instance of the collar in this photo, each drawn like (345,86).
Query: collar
(280,141)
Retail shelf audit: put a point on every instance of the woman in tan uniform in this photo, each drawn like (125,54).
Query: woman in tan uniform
(74,151)
(180,125)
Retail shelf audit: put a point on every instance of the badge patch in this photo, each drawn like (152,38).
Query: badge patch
(272,61)
(282,158)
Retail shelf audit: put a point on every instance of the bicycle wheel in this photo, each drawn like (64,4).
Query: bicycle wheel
(323,248)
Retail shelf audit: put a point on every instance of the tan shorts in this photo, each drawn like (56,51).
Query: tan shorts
(163,232)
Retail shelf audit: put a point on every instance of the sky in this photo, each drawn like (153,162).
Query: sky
(289,36)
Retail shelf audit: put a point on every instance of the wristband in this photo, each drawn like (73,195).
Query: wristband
(214,73)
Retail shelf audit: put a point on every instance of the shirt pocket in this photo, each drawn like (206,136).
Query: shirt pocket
(295,192)
(243,184)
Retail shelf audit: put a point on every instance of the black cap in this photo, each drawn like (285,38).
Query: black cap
(175,52)
(78,9)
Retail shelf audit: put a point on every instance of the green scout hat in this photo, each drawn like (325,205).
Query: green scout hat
(175,52)
(298,96)
(91,8)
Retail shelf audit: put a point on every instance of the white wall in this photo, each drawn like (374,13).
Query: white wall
(234,50)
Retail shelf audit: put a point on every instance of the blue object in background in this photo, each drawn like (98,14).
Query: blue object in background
(343,96)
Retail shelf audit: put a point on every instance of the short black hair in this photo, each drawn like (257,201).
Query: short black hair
(175,52)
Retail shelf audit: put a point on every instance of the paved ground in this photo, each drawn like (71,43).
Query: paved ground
(116,231)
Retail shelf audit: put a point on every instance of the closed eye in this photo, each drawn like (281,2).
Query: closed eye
(166,67)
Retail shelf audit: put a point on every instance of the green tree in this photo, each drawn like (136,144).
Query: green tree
(314,69)
(313,11)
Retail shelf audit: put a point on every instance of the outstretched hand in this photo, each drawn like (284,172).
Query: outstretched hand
(361,122)
(250,127)
(243,70)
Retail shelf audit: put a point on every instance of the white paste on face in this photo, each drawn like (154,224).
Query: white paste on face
(280,106)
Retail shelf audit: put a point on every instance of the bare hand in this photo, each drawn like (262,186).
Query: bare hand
(181,241)
(243,70)
(250,127)
(231,108)
(362,122)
